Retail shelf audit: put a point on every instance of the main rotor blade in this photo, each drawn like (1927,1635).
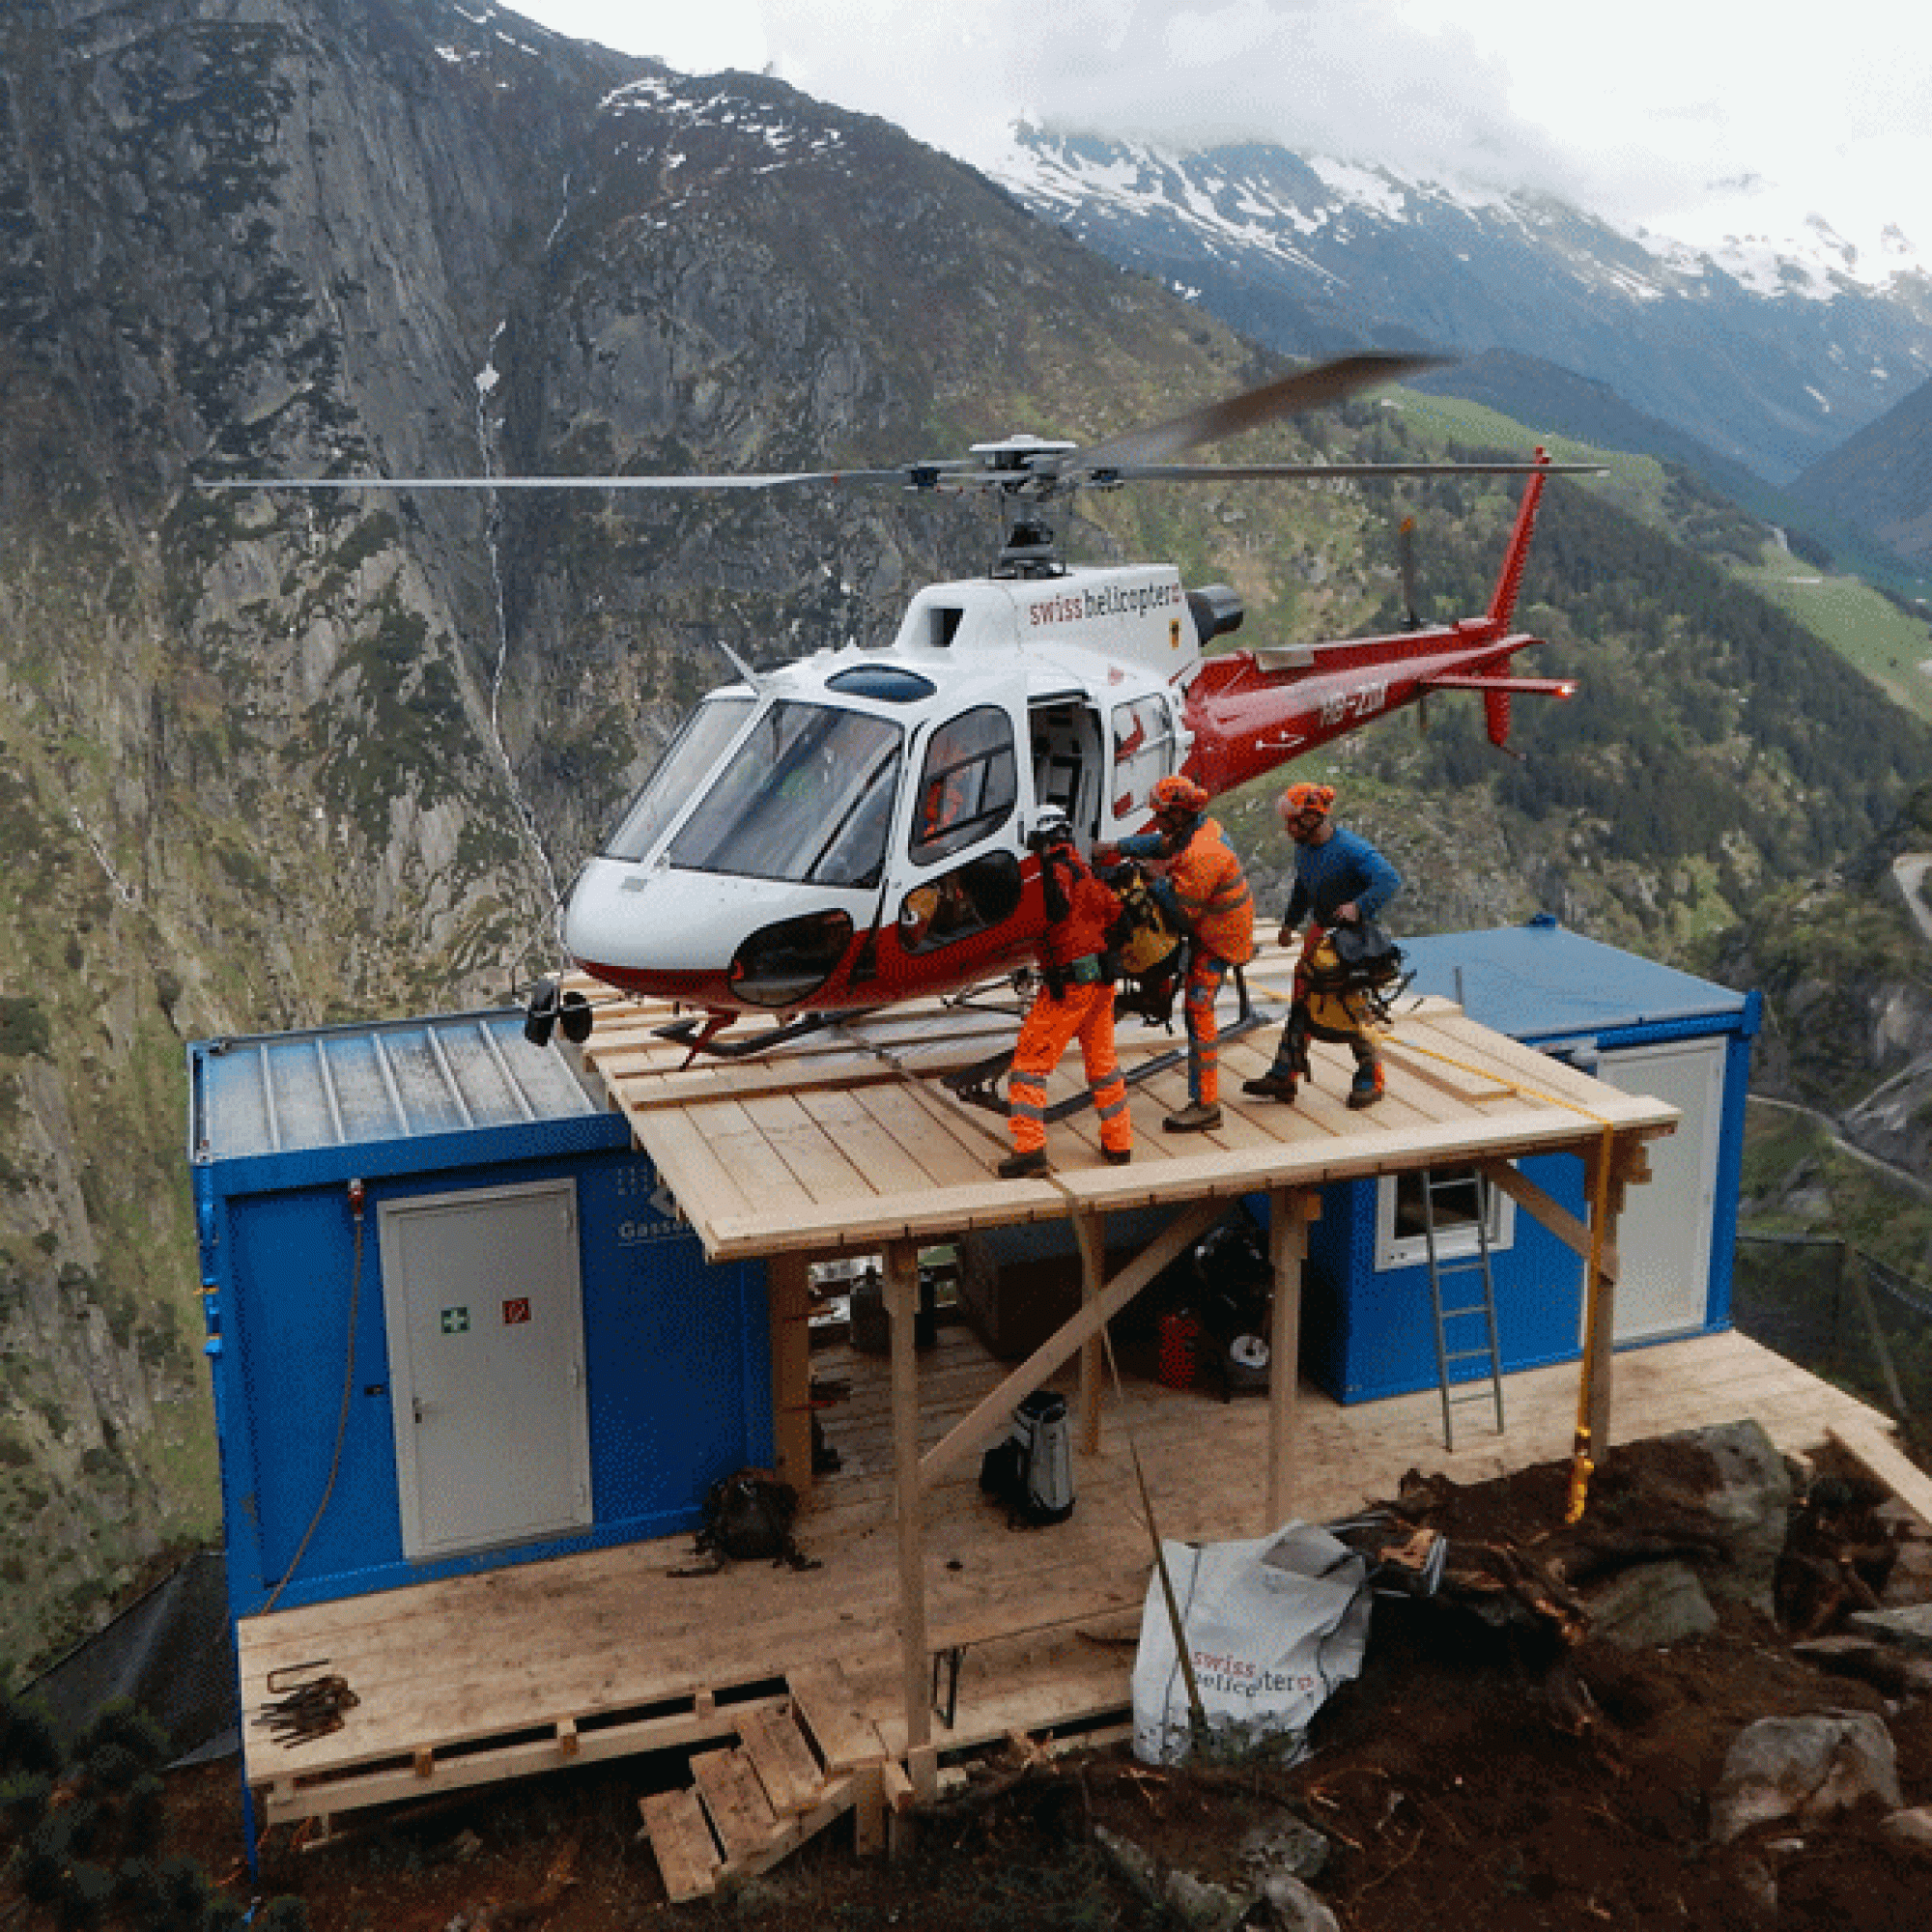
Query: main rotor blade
(1248,472)
(1306,389)
(771,482)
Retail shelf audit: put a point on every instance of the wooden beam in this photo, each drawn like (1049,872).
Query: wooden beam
(1290,1213)
(788,1296)
(1909,1483)
(1624,1157)
(971,1432)
(1574,1234)
(901,1258)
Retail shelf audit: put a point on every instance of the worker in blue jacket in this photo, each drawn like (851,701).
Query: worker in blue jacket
(1340,879)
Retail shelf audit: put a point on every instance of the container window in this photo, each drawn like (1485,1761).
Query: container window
(1459,1196)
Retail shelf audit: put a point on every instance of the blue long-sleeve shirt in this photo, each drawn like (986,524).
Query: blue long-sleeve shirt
(1345,866)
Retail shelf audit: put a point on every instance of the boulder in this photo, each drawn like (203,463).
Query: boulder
(1804,1769)
(1653,1604)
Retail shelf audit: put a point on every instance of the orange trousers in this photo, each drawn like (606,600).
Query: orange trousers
(1085,1013)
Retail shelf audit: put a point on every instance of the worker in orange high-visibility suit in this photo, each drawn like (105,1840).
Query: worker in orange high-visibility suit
(1075,1001)
(1206,892)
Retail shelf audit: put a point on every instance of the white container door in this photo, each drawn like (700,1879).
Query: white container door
(1663,1235)
(484,1316)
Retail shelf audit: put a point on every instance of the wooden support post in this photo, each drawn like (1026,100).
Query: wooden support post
(788,1292)
(869,1809)
(1290,1213)
(902,1299)
(1627,1163)
(1090,1230)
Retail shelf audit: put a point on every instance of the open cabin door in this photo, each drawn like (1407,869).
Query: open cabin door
(1067,762)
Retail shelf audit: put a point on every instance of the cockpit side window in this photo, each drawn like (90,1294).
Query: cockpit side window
(967,787)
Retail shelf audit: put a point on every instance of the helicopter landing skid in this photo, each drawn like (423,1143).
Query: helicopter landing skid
(979,1084)
(700,1034)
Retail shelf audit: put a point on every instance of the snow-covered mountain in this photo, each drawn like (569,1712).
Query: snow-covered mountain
(1768,353)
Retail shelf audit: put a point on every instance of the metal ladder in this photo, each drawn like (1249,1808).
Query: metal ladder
(1441,1271)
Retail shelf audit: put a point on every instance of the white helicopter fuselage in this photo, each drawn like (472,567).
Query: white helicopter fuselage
(852,827)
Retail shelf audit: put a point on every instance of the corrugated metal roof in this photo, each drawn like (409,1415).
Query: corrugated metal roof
(1541,981)
(351,1086)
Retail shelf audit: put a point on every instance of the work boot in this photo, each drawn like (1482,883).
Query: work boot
(1117,1157)
(1024,1166)
(1271,1086)
(1196,1117)
(1366,1089)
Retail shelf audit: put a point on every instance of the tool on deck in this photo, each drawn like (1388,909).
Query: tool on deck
(304,1709)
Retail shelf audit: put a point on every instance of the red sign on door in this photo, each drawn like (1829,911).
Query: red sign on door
(516,1311)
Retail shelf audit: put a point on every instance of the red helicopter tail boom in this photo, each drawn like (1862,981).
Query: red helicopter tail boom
(1254,711)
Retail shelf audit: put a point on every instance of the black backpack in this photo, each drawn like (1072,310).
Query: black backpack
(748,1515)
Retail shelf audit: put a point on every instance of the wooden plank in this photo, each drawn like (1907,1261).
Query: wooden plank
(734,1801)
(935,1132)
(814,1159)
(1574,1234)
(788,1292)
(784,1761)
(846,1738)
(839,1798)
(1407,1051)
(902,1299)
(890,1166)
(693,1169)
(761,1173)
(687,1860)
(1904,1478)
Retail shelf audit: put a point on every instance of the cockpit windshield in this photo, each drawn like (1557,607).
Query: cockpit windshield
(683,771)
(807,796)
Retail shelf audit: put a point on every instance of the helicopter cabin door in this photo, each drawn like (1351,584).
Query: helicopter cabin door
(1067,772)
(961,841)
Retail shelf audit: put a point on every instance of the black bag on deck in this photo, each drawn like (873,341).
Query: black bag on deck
(748,1515)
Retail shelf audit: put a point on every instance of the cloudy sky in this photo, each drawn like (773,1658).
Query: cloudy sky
(1694,118)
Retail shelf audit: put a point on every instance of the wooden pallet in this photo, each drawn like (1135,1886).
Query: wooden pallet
(797,1766)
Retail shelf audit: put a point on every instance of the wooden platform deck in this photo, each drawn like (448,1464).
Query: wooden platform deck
(541,1665)
(849,1140)
(846,1144)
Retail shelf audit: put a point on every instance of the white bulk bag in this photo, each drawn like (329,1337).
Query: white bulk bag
(1272,1626)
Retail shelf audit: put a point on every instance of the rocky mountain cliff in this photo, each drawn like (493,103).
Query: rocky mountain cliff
(275,760)
(271,759)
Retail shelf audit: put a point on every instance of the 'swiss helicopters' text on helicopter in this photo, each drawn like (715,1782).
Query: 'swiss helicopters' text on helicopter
(851,830)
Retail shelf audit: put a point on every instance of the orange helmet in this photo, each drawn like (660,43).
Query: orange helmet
(1306,797)
(1178,795)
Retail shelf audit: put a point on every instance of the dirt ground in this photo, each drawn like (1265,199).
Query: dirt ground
(1460,1782)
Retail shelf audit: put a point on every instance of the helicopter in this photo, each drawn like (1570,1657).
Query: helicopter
(852,829)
